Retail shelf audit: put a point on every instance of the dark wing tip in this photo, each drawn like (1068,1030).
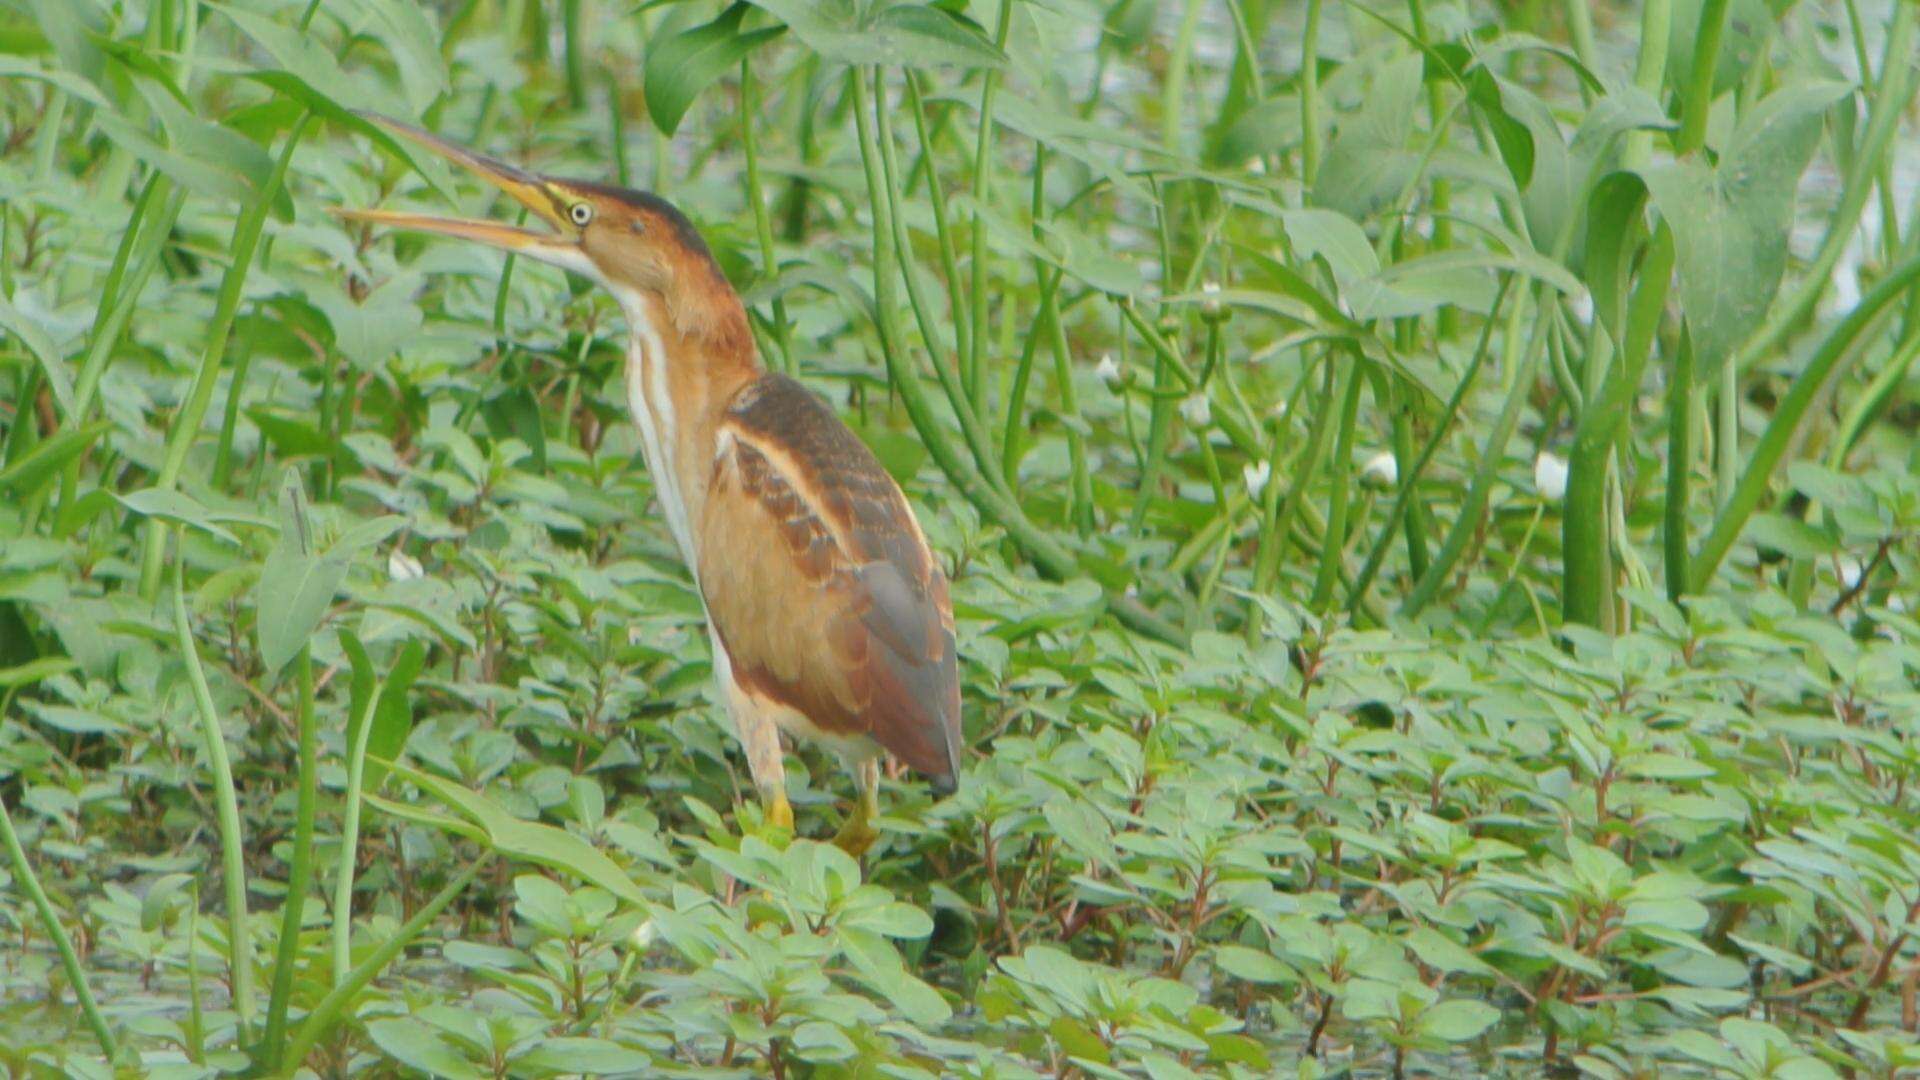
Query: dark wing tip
(943,785)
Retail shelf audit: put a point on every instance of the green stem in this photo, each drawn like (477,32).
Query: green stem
(1491,456)
(762,222)
(226,805)
(943,231)
(1334,543)
(1786,420)
(982,196)
(1699,97)
(972,429)
(186,423)
(1053,559)
(327,1013)
(1410,476)
(1174,89)
(1279,525)
(50,922)
(1679,468)
(350,838)
(1310,96)
(230,417)
(575,57)
(1649,72)
(1586,558)
(300,873)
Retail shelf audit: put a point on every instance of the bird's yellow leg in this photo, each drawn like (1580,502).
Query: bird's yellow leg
(760,737)
(857,834)
(778,813)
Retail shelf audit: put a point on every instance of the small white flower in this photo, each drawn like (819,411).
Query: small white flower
(1257,165)
(1108,370)
(1380,471)
(1582,305)
(1256,474)
(404,567)
(642,937)
(1198,410)
(1896,603)
(1850,570)
(1210,305)
(1550,476)
(1279,410)
(1846,283)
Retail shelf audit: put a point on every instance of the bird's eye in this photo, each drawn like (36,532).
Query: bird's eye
(581,213)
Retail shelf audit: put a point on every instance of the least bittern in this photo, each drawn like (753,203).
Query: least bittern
(828,616)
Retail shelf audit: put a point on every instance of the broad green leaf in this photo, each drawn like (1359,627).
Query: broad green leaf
(1368,163)
(298,581)
(880,968)
(1730,220)
(901,35)
(418,1046)
(681,65)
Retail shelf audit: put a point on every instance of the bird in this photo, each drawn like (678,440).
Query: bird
(828,616)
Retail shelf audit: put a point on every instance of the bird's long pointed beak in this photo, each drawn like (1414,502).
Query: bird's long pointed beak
(530,190)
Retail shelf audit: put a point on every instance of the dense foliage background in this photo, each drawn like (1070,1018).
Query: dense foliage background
(1430,490)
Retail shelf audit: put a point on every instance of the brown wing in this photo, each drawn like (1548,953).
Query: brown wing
(819,582)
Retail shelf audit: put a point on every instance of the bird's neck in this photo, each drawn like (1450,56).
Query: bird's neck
(680,376)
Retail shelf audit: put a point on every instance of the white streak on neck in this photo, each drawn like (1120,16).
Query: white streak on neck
(651,403)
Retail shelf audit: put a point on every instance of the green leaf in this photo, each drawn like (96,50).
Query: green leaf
(39,346)
(418,1046)
(681,65)
(28,474)
(528,840)
(1458,1021)
(393,712)
(1613,233)
(903,35)
(34,670)
(1730,221)
(296,584)
(1253,965)
(878,963)
(180,508)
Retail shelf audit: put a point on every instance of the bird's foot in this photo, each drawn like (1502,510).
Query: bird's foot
(779,814)
(857,834)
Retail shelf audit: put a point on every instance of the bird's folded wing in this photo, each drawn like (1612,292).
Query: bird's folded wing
(819,582)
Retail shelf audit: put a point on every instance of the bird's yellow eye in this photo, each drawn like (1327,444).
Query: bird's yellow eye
(580,213)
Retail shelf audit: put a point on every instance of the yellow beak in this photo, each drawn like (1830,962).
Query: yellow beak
(538,194)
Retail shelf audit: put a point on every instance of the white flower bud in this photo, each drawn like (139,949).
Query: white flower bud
(1380,471)
(1108,370)
(1550,476)
(1582,305)
(642,937)
(1850,570)
(1198,410)
(404,567)
(1256,474)
(1846,283)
